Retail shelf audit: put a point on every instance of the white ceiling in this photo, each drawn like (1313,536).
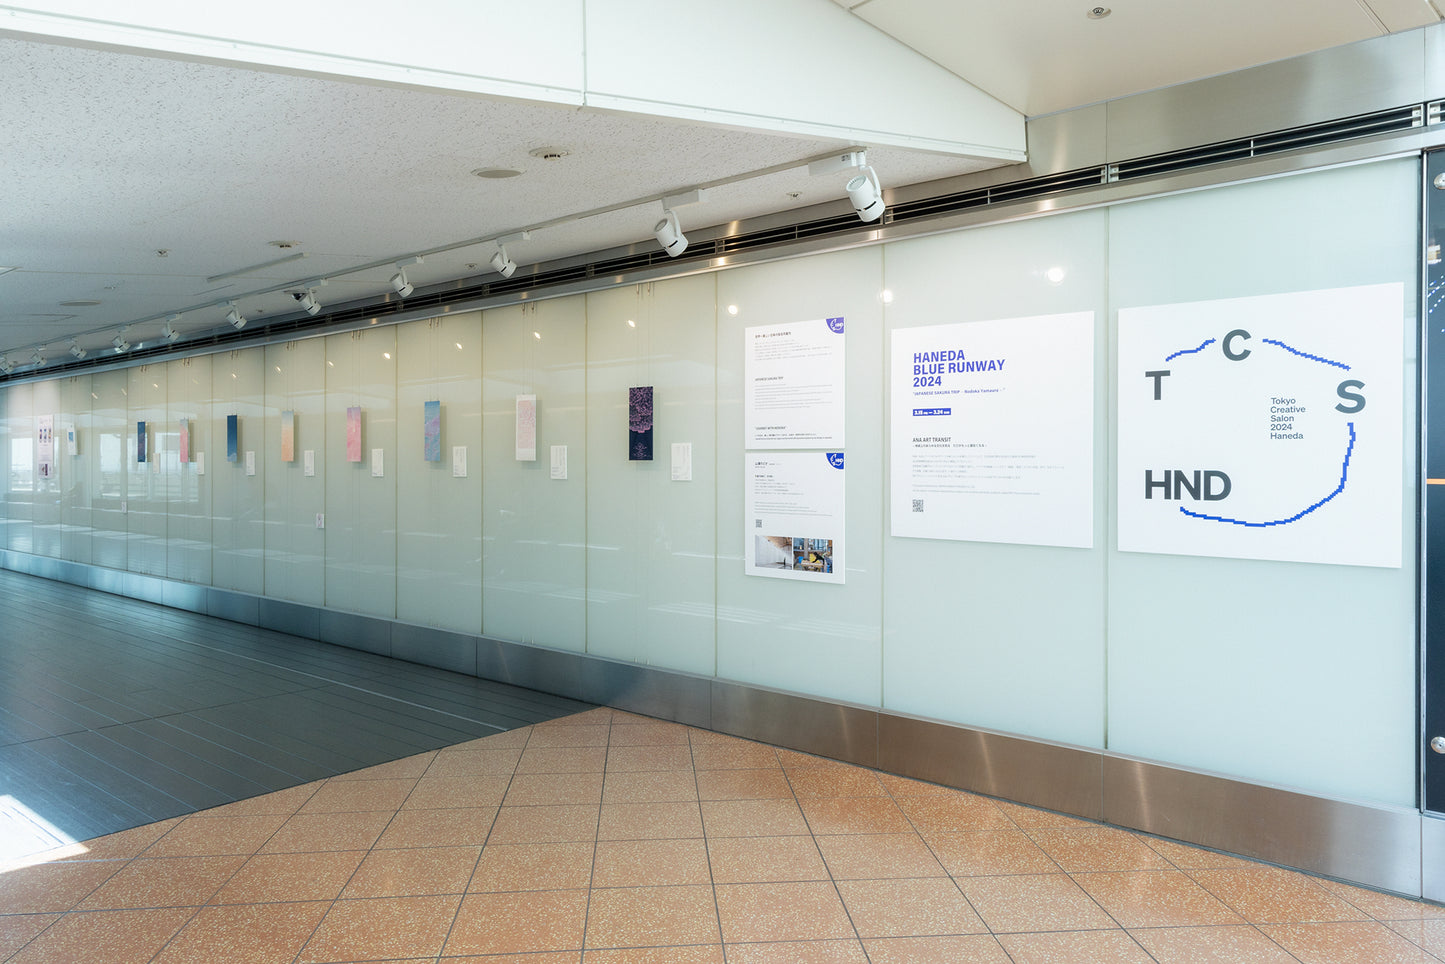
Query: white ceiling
(107,158)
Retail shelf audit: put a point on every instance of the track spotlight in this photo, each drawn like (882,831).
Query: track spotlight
(169,332)
(866,194)
(233,316)
(306,300)
(502,264)
(402,286)
(120,344)
(77,351)
(669,234)
(38,357)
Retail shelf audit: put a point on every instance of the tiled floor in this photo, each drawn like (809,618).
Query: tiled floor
(607,838)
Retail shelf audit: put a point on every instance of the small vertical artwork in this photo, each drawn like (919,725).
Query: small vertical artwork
(233,436)
(639,424)
(140,441)
(353,434)
(526,428)
(431,431)
(184,442)
(288,436)
(45,446)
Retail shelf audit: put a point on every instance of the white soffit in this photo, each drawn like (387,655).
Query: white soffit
(793,66)
(796,67)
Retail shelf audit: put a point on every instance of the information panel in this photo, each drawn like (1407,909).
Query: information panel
(794,378)
(993,431)
(795,506)
(1265,427)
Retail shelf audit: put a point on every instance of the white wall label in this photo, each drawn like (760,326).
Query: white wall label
(200,463)
(559,461)
(308,462)
(1266,427)
(250,462)
(795,516)
(682,461)
(993,431)
(793,385)
(377,466)
(459,461)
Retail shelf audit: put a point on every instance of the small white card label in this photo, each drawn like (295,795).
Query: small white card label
(376,464)
(200,463)
(308,462)
(459,461)
(250,463)
(682,461)
(559,461)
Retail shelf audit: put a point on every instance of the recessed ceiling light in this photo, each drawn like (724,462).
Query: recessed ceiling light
(550,153)
(496,173)
(1098,13)
(79,304)
(284,244)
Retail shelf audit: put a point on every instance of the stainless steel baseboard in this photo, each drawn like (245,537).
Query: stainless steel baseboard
(1377,846)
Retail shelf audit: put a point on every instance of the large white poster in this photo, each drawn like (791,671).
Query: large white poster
(993,431)
(795,512)
(1265,427)
(793,377)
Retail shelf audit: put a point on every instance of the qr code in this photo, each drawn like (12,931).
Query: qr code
(917,505)
(757,523)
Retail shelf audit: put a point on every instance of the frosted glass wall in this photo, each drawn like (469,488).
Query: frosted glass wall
(1290,673)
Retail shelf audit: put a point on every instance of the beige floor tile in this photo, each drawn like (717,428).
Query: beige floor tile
(971,949)
(163,882)
(1034,902)
(990,853)
(516,825)
(284,802)
(203,836)
(438,828)
(651,917)
(829,815)
(269,878)
(17,930)
(752,818)
(563,759)
(545,866)
(834,782)
(1155,898)
(660,786)
(699,737)
(116,846)
(1032,818)
(382,928)
(1075,947)
(580,734)
(649,821)
(105,937)
(798,952)
(54,887)
(1186,857)
(738,755)
(908,908)
(412,873)
(1085,850)
(743,785)
(516,738)
(409,767)
(761,860)
(256,934)
(855,856)
(956,813)
(596,716)
(554,789)
(489,761)
(1383,907)
(1236,944)
(801,911)
(448,793)
(695,954)
(1347,943)
(649,734)
(519,923)
(351,796)
(650,863)
(1271,895)
(640,758)
(328,831)
(1429,934)
(546,957)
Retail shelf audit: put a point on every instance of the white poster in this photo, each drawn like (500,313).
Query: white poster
(45,446)
(1264,428)
(795,516)
(559,461)
(378,463)
(459,461)
(250,463)
(993,431)
(526,428)
(793,385)
(682,461)
(308,463)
